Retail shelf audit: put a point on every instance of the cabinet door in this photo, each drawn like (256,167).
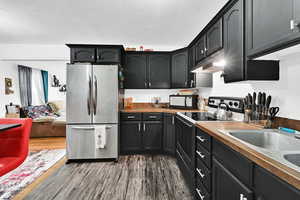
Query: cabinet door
(192,64)
(214,38)
(152,135)
(200,49)
(297,13)
(233,43)
(227,186)
(108,55)
(268,25)
(131,137)
(82,54)
(269,187)
(180,69)
(169,134)
(135,71)
(159,67)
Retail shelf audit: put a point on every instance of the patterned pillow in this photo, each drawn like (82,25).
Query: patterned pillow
(35,112)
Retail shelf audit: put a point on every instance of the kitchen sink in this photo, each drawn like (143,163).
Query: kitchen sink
(268,139)
(293,158)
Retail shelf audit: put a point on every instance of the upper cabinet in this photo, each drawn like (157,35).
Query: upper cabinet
(135,71)
(180,72)
(200,49)
(159,71)
(147,70)
(214,38)
(96,54)
(82,54)
(109,55)
(238,67)
(271,25)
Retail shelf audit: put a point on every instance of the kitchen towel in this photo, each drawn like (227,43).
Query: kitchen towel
(100,137)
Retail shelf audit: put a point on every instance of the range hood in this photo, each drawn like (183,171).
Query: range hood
(211,64)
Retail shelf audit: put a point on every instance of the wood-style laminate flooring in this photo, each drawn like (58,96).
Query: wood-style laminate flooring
(135,177)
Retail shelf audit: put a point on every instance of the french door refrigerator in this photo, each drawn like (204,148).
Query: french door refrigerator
(92,101)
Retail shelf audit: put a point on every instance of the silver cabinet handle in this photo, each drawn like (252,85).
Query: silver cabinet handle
(173,119)
(294,24)
(185,83)
(205,49)
(242,197)
(144,127)
(96,94)
(199,193)
(200,138)
(139,127)
(89,96)
(83,128)
(202,51)
(145,84)
(200,154)
(131,117)
(192,83)
(150,84)
(200,173)
(152,117)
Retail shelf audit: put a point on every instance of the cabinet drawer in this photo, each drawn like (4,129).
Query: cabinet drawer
(131,116)
(200,191)
(203,139)
(152,116)
(237,164)
(203,155)
(203,174)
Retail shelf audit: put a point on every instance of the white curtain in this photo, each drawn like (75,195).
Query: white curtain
(38,97)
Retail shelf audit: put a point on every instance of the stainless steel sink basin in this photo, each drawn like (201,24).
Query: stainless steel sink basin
(293,158)
(270,140)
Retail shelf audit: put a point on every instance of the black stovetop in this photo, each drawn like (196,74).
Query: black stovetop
(200,116)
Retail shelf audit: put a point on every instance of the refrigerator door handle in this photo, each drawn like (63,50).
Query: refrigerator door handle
(89,97)
(96,94)
(83,128)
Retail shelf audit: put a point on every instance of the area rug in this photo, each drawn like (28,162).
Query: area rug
(34,166)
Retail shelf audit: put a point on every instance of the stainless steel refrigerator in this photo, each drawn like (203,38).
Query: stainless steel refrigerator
(92,101)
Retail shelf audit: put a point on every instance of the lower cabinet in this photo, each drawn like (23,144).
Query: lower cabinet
(152,135)
(227,186)
(169,138)
(142,135)
(131,137)
(269,187)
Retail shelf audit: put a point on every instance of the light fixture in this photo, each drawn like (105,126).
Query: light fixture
(220,63)
(198,70)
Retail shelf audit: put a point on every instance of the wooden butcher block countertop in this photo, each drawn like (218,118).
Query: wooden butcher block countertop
(284,172)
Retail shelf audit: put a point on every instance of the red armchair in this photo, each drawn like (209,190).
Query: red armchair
(14,144)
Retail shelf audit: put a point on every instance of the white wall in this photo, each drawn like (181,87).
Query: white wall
(144,96)
(285,92)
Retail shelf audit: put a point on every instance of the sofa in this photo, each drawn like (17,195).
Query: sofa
(48,120)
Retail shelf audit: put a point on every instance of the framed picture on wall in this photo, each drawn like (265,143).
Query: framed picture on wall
(8,86)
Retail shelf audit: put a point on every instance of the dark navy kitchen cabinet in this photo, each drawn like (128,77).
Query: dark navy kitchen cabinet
(147,70)
(169,134)
(180,69)
(130,137)
(135,71)
(227,186)
(214,38)
(200,49)
(141,133)
(108,55)
(269,187)
(234,43)
(238,67)
(152,135)
(271,25)
(159,71)
(83,54)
